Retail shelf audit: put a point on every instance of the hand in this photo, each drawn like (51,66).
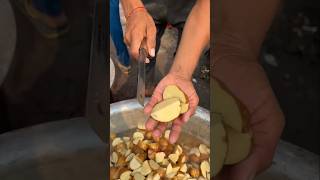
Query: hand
(140,25)
(187,87)
(247,81)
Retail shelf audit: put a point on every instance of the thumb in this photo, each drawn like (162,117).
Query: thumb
(153,101)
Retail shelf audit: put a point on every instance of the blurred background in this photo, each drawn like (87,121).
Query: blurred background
(291,58)
(45,80)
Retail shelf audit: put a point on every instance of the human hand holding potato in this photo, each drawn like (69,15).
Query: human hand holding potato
(191,101)
(250,86)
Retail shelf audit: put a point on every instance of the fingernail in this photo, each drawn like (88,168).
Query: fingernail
(147,60)
(152,52)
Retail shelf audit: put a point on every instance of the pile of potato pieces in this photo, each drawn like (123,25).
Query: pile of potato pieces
(174,102)
(142,157)
(232,141)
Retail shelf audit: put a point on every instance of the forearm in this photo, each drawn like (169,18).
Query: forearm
(240,27)
(195,37)
(129,5)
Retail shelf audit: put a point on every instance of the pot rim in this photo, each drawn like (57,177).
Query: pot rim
(132,104)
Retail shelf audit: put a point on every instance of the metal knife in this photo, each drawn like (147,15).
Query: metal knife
(141,91)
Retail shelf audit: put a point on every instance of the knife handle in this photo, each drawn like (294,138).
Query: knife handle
(143,47)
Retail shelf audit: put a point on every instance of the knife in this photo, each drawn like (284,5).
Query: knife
(141,85)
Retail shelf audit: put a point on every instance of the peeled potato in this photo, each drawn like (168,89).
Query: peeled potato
(219,146)
(239,146)
(167,110)
(173,91)
(225,104)
(184,107)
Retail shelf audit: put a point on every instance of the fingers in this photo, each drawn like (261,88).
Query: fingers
(151,39)
(247,169)
(193,103)
(135,44)
(159,130)
(151,124)
(175,130)
(156,97)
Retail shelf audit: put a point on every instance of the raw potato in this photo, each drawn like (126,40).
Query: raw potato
(239,146)
(160,157)
(173,91)
(125,176)
(157,159)
(205,168)
(219,146)
(138,176)
(225,104)
(167,110)
(184,108)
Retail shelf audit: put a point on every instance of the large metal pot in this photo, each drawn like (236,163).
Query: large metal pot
(290,162)
(69,149)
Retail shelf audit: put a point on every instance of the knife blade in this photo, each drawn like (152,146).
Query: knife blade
(141,76)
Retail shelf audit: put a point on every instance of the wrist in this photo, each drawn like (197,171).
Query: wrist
(130,5)
(180,72)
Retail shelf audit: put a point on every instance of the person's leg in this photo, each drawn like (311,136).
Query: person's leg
(117,36)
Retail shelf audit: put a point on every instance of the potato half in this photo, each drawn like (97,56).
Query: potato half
(225,104)
(167,110)
(184,107)
(219,146)
(239,146)
(172,91)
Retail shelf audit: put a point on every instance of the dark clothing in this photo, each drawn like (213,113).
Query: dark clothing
(173,12)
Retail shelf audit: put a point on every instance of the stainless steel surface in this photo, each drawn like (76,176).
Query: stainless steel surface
(141,85)
(62,150)
(8,37)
